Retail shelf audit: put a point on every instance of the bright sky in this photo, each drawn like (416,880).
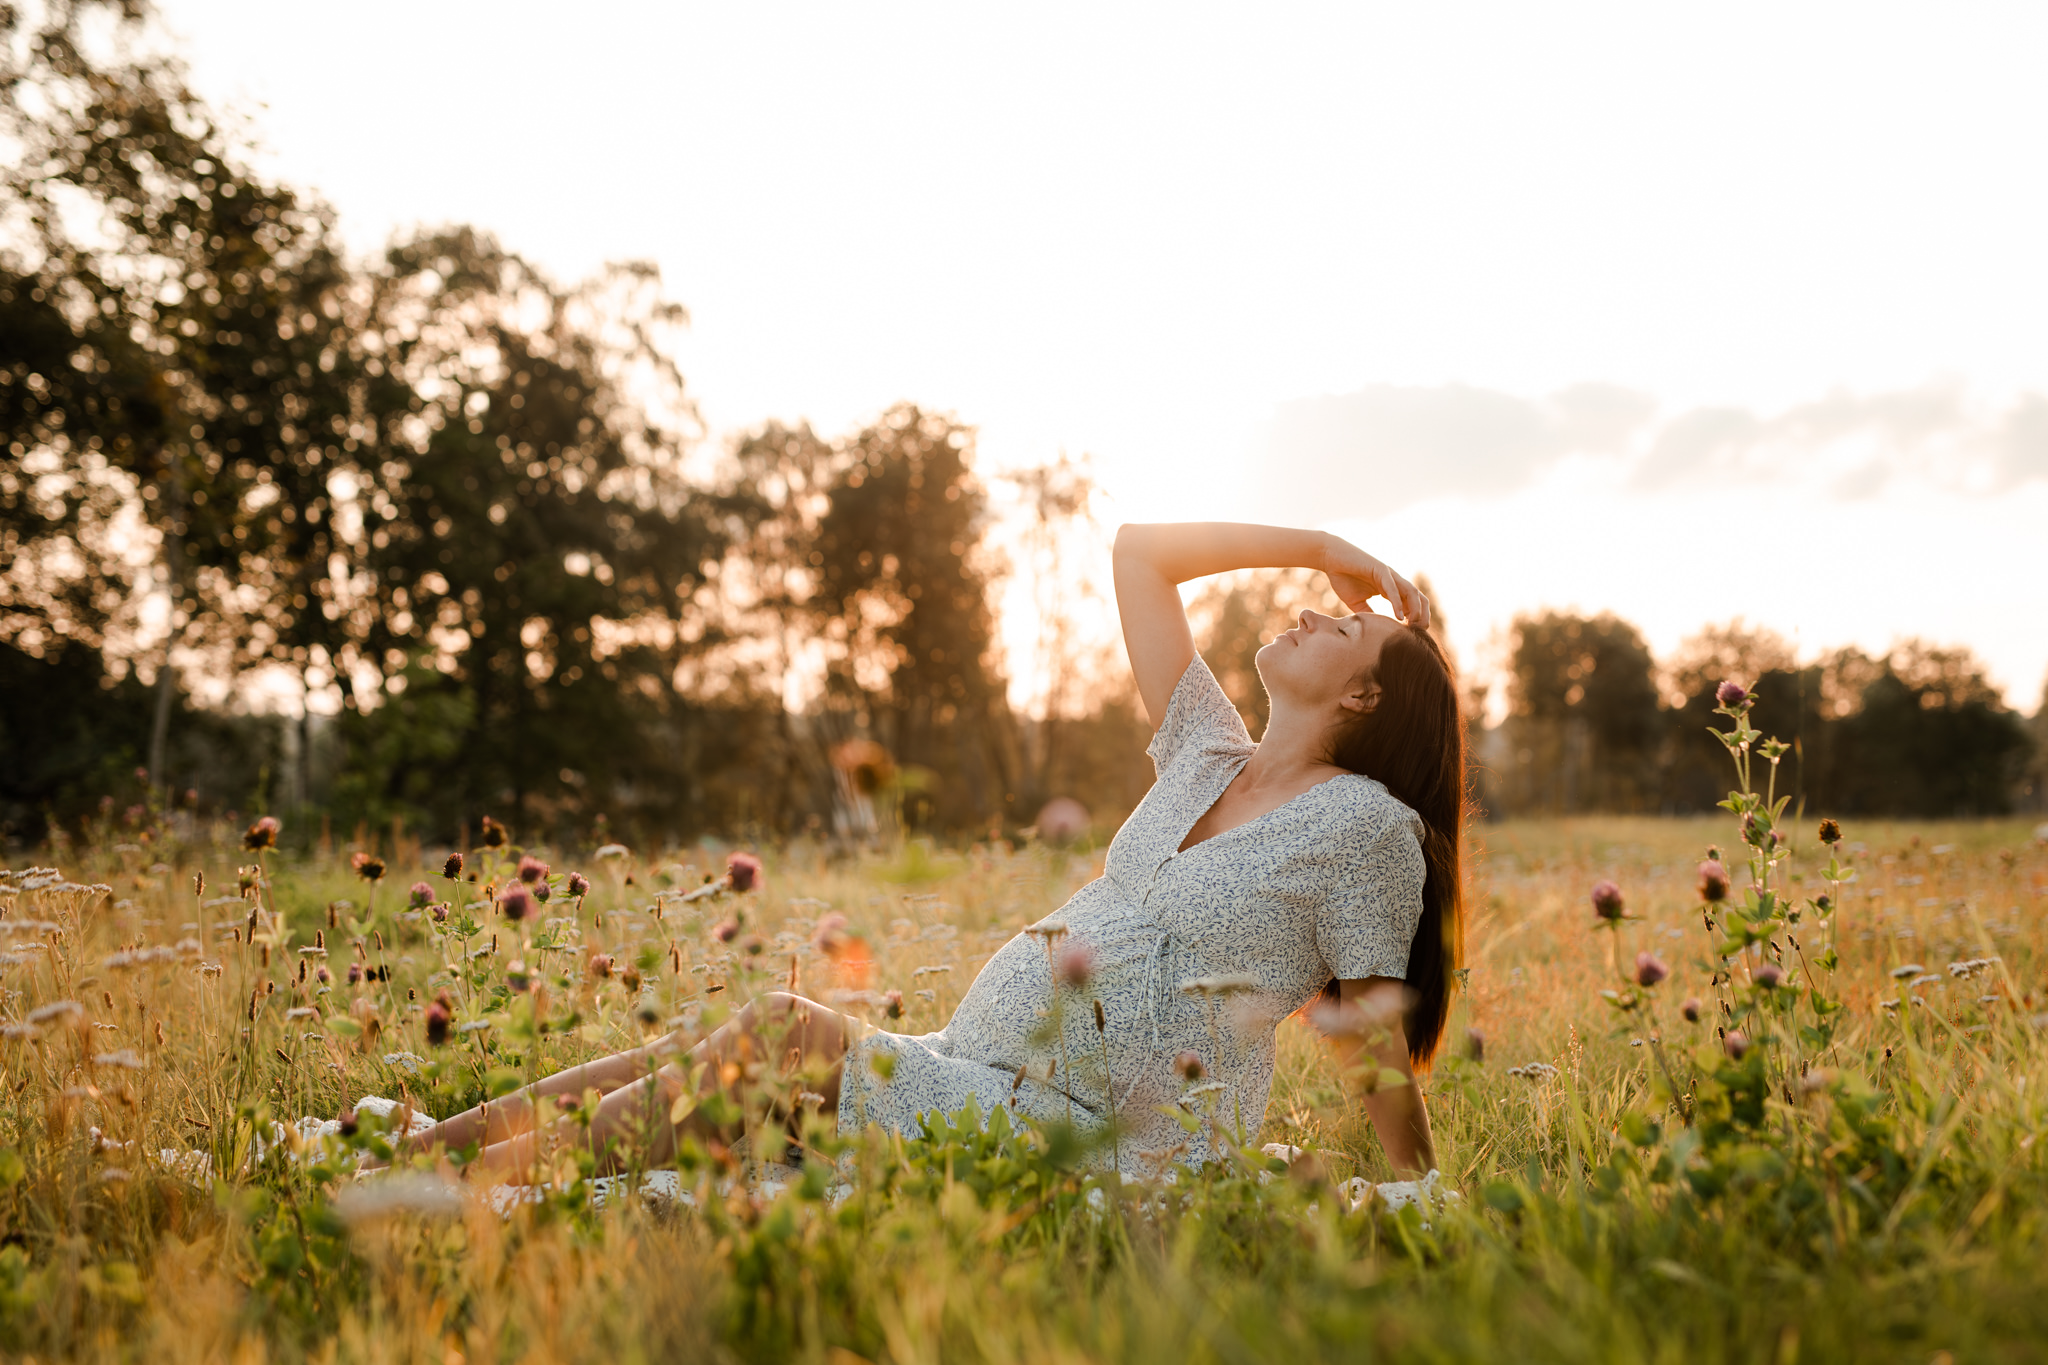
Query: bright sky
(1688,313)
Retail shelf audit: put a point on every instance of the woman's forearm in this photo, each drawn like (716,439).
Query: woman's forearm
(1401,1119)
(1181,550)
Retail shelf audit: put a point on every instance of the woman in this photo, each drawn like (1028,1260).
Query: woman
(1253,879)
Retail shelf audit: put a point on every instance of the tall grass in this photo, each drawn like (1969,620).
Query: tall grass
(1877,1194)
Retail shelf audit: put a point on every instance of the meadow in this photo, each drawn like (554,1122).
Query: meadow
(1835,1160)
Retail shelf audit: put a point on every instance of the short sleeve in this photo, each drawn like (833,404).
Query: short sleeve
(1366,925)
(1199,719)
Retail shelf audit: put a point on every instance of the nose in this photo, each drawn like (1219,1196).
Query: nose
(1307,619)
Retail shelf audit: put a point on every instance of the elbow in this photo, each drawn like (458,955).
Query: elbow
(1131,543)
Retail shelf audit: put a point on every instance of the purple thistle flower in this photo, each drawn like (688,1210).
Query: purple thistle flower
(1691,1010)
(438,1020)
(1731,694)
(1074,964)
(1736,1043)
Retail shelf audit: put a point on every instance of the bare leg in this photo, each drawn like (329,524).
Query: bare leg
(501,1118)
(784,1031)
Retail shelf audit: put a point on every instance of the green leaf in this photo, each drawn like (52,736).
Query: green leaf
(1502,1197)
(12,1169)
(345,1026)
(502,1080)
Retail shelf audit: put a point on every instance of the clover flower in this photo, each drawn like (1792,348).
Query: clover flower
(1713,881)
(1073,964)
(1769,975)
(1475,1045)
(830,937)
(1189,1067)
(892,1004)
(727,930)
(439,1018)
(1731,694)
(1691,1009)
(532,870)
(515,903)
(579,885)
(1650,969)
(743,872)
(452,869)
(1607,901)
(368,866)
(601,965)
(1735,1043)
(261,835)
(494,834)
(1830,831)
(421,895)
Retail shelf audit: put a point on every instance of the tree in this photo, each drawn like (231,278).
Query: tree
(1584,723)
(902,600)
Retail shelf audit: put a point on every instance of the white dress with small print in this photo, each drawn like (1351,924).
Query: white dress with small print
(1328,885)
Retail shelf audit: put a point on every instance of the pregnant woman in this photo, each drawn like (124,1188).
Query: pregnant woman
(1253,879)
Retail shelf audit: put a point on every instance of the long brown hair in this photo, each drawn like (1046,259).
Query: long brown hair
(1413,742)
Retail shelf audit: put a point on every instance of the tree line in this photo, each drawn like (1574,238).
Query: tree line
(455,523)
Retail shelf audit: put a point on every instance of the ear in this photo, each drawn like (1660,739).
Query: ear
(1361,700)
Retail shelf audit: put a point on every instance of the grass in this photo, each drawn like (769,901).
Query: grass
(1880,1198)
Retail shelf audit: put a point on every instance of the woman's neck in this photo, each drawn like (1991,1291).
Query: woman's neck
(1295,745)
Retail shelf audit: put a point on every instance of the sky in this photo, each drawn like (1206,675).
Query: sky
(1689,313)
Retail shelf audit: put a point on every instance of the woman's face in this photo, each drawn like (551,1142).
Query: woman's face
(1317,664)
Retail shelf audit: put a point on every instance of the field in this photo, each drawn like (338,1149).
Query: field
(1860,1183)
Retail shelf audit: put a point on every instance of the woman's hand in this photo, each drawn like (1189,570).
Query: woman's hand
(1357,577)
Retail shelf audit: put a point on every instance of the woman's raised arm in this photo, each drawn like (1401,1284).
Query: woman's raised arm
(1152,561)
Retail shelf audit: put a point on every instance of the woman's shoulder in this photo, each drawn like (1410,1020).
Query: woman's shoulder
(1199,718)
(1370,812)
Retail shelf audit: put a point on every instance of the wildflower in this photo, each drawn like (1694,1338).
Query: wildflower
(1830,832)
(322,975)
(532,870)
(261,835)
(1607,900)
(1713,880)
(541,891)
(830,937)
(1475,1045)
(422,895)
(1236,984)
(1650,969)
(601,965)
(579,885)
(438,1019)
(515,903)
(1824,903)
(246,879)
(368,866)
(59,1010)
(348,1123)
(355,973)
(743,872)
(630,978)
(517,977)
(439,910)
(1073,964)
(494,833)
(613,851)
(1731,694)
(892,1004)
(1899,973)
(198,883)
(1768,975)
(1736,1042)
(452,869)
(1691,1010)
(753,945)
(1189,1067)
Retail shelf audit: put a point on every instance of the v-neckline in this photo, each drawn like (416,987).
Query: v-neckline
(1183,846)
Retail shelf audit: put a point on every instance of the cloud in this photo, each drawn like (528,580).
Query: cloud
(1386,446)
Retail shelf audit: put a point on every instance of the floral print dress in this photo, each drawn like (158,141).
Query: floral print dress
(1202,951)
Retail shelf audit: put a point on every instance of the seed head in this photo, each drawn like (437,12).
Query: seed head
(494,833)
(1736,1042)
(579,885)
(438,1019)
(1830,831)
(1731,694)
(532,870)
(516,904)
(261,835)
(1650,969)
(1691,1010)
(1189,1067)
(1101,1019)
(1475,1045)
(198,883)
(421,895)
(452,869)
(892,1004)
(743,872)
(1713,881)
(1768,975)
(1073,964)
(1607,900)
(727,930)
(368,866)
